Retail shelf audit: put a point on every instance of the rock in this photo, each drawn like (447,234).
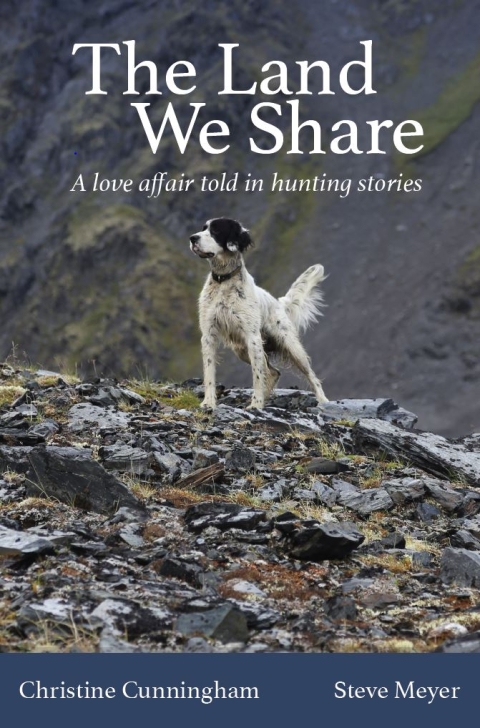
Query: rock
(324,493)
(14,458)
(469,644)
(245,587)
(57,610)
(130,534)
(27,410)
(128,618)
(21,543)
(465,540)
(274,492)
(426,512)
(17,436)
(340,608)
(449,498)
(173,466)
(432,453)
(364,501)
(223,516)
(240,459)
(404,490)
(111,643)
(125,458)
(392,541)
(44,429)
(225,624)
(459,566)
(106,396)
(71,476)
(315,541)
(203,458)
(179,568)
(355,409)
(325,466)
(84,416)
(470,504)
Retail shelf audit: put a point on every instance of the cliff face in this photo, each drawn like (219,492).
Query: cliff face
(105,281)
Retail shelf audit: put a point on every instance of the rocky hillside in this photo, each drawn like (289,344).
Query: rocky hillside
(132,521)
(105,282)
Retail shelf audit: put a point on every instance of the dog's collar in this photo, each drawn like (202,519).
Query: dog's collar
(226,276)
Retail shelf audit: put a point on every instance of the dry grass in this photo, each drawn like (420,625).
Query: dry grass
(9,393)
(278,581)
(393,563)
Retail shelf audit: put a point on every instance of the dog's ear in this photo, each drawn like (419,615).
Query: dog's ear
(245,241)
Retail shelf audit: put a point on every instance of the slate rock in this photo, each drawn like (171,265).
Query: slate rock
(17,436)
(448,498)
(223,516)
(44,429)
(225,624)
(325,495)
(465,540)
(404,490)
(341,608)
(427,512)
(203,457)
(54,609)
(274,492)
(70,476)
(315,541)
(27,410)
(392,541)
(84,416)
(172,466)
(470,504)
(459,566)
(432,453)
(179,568)
(22,543)
(364,501)
(325,466)
(125,458)
(14,458)
(469,644)
(381,408)
(240,459)
(131,619)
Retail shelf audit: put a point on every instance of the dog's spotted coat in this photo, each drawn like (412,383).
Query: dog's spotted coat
(246,318)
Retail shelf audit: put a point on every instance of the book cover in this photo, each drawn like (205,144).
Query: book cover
(313,167)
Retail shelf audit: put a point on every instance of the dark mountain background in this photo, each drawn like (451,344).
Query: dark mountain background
(105,282)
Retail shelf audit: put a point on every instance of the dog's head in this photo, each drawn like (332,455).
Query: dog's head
(221,235)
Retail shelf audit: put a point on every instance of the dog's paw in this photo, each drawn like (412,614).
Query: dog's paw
(255,406)
(208,406)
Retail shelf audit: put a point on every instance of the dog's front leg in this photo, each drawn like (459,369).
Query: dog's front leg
(257,360)
(209,352)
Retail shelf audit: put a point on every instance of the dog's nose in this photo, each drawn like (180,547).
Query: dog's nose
(194,239)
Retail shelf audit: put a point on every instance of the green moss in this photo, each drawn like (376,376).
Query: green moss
(183,400)
(453,106)
(411,60)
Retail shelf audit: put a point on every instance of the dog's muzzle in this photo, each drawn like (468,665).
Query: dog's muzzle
(195,249)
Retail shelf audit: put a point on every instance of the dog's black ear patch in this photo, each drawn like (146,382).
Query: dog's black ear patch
(230,234)
(245,241)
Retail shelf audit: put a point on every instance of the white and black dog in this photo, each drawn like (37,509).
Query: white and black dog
(234,310)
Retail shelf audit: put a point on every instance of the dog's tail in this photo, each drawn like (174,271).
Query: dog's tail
(304,300)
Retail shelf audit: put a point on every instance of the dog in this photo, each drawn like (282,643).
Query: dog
(246,318)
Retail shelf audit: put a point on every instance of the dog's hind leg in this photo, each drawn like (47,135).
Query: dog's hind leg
(272,374)
(293,350)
